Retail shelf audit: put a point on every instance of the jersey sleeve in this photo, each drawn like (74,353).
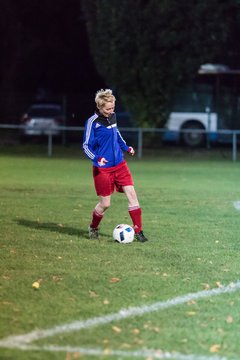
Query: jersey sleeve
(121,141)
(89,140)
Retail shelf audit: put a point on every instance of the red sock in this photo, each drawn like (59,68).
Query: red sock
(136,216)
(96,218)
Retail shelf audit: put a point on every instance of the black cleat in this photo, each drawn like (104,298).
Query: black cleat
(93,233)
(141,237)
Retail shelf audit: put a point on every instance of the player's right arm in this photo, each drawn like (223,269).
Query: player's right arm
(89,143)
(89,139)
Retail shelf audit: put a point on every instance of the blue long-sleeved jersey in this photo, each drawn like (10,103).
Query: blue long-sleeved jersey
(103,139)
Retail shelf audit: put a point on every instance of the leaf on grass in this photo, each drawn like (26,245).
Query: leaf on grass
(206,286)
(144,295)
(36,285)
(135,331)
(191,302)
(77,355)
(191,313)
(92,293)
(73,356)
(219,285)
(56,278)
(116,329)
(115,280)
(138,341)
(6,303)
(106,302)
(147,326)
(125,346)
(215,348)
(106,351)
(229,319)
(6,277)
(68,356)
(60,225)
(165,275)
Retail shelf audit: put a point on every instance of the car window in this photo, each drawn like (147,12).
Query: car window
(44,112)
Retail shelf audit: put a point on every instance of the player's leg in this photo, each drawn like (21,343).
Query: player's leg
(135,212)
(97,215)
(104,187)
(124,183)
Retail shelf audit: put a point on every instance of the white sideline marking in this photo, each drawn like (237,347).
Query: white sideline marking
(19,341)
(236,204)
(146,353)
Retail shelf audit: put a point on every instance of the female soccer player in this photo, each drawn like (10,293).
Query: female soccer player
(104,146)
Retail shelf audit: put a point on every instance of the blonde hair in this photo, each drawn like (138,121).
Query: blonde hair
(104,96)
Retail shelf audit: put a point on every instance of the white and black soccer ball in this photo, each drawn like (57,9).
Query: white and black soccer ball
(123,233)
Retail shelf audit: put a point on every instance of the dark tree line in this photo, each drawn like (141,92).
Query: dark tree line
(147,49)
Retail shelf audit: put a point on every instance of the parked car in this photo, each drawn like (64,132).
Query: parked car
(42,119)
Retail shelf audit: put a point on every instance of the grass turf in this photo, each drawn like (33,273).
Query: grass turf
(193,228)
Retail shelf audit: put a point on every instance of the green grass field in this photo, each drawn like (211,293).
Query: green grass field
(189,216)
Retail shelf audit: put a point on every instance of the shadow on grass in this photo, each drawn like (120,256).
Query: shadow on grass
(50,226)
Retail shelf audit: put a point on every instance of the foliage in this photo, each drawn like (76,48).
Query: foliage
(146,50)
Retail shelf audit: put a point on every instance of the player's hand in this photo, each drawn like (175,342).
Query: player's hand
(131,150)
(102,161)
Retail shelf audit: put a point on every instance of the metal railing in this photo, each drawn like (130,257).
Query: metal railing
(139,132)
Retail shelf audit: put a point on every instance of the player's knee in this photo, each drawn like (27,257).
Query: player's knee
(105,205)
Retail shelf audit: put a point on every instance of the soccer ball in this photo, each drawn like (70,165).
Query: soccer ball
(123,233)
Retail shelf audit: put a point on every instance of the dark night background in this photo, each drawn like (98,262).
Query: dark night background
(45,51)
(143,50)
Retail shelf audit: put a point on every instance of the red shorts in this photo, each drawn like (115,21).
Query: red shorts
(108,179)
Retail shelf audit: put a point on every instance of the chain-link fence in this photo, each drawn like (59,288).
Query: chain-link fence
(139,138)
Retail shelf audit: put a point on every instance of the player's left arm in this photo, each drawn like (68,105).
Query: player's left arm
(131,150)
(121,141)
(123,144)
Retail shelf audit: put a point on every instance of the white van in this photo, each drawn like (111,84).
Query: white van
(191,128)
(210,103)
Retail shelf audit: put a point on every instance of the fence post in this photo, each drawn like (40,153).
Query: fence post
(208,126)
(50,143)
(64,102)
(140,143)
(234,144)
